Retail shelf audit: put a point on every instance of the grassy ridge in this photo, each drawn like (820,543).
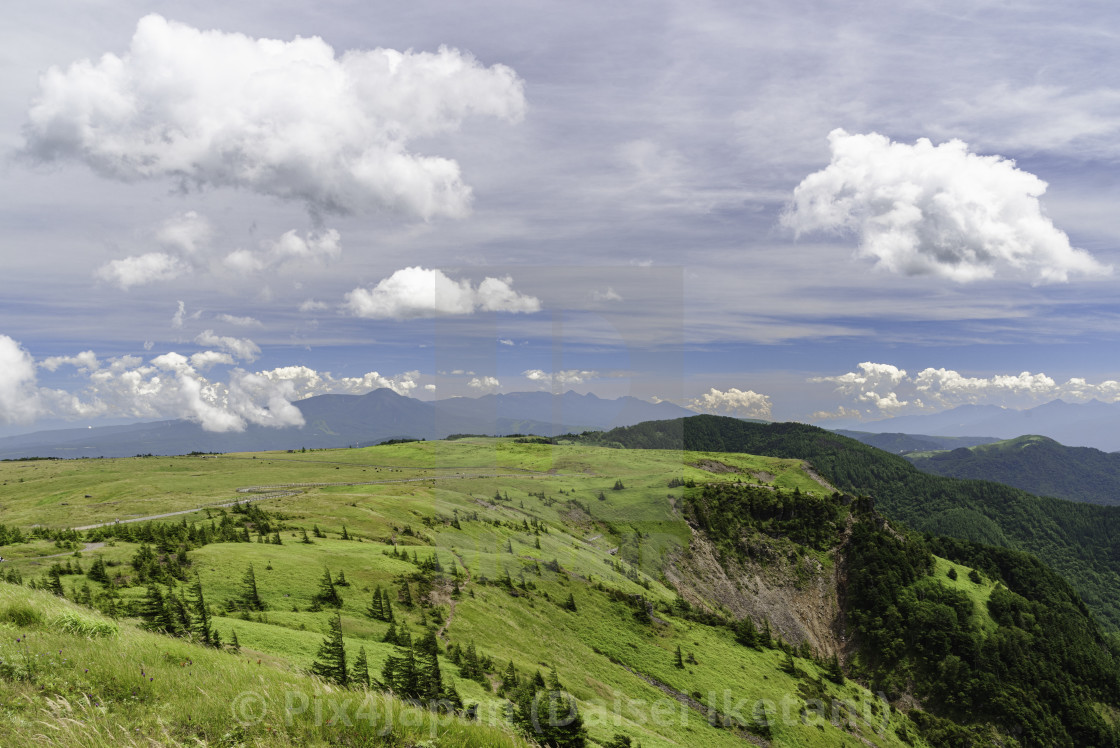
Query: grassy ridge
(607,552)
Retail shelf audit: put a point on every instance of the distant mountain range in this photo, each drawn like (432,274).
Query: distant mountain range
(901,444)
(1091,424)
(345,420)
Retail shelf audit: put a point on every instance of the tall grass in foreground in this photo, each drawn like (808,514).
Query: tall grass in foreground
(69,677)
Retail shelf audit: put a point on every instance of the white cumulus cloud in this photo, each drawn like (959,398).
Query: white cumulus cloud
(290,248)
(19,401)
(289,119)
(562,377)
(936,210)
(732,402)
(140,270)
(878,390)
(242,348)
(416,292)
(484,384)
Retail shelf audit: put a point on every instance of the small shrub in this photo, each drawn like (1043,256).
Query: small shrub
(72,623)
(21,614)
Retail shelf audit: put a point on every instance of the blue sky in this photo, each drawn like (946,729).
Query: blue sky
(783,210)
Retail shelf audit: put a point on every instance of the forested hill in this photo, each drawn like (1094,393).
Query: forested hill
(1079,541)
(1035,464)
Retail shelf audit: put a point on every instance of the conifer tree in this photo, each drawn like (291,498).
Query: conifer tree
(510,681)
(359,674)
(54,581)
(345,535)
(201,628)
(404,596)
(330,662)
(746,633)
(153,611)
(386,606)
(327,594)
(340,580)
(305,539)
(570,603)
(427,663)
(276,538)
(317,532)
(678,660)
(375,611)
(399,672)
(97,571)
(391,636)
(250,598)
(234,644)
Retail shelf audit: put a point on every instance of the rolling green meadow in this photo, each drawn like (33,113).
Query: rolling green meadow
(495,541)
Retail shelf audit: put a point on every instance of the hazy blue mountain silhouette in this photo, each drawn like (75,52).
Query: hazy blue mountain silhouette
(353,420)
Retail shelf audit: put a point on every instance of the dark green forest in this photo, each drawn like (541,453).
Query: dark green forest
(1036,464)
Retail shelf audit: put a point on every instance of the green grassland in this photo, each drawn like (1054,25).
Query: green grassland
(487,509)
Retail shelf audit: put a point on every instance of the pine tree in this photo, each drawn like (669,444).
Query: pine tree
(678,661)
(345,535)
(340,580)
(833,670)
(97,571)
(765,638)
(201,626)
(375,611)
(317,532)
(234,644)
(306,539)
(54,581)
(330,662)
(276,538)
(386,606)
(391,636)
(359,674)
(404,596)
(510,681)
(570,603)
(746,633)
(400,673)
(427,663)
(153,611)
(327,594)
(250,598)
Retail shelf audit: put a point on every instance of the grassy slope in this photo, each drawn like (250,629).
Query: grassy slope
(597,652)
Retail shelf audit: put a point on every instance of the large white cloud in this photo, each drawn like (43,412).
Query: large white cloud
(936,210)
(313,248)
(732,402)
(19,401)
(242,348)
(306,381)
(173,385)
(140,270)
(286,119)
(562,377)
(416,292)
(884,389)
